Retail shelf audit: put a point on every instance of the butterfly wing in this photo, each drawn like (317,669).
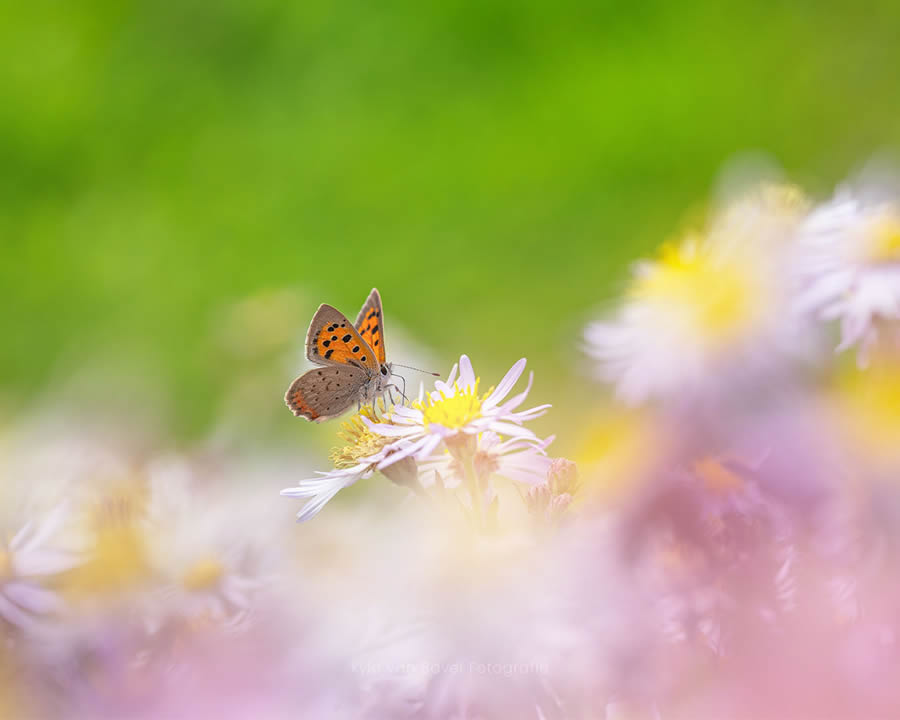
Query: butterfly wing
(323,393)
(332,340)
(370,324)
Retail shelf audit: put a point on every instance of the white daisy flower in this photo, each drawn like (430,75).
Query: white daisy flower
(708,307)
(27,561)
(848,267)
(456,412)
(363,452)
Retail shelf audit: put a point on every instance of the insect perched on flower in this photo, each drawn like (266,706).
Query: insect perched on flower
(354,366)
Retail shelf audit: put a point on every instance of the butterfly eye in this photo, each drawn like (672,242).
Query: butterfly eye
(383,370)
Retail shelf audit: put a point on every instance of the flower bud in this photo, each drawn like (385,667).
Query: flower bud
(562,476)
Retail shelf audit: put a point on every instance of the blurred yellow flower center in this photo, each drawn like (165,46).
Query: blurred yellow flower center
(203,575)
(870,404)
(885,239)
(119,557)
(716,300)
(359,441)
(454,411)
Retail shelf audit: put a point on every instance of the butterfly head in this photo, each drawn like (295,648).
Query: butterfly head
(383,377)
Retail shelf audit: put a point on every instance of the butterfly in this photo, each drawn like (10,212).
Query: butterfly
(353,369)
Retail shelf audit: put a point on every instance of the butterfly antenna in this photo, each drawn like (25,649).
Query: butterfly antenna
(409,367)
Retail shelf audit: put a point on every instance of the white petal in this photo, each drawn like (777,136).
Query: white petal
(520,398)
(45,562)
(505,428)
(506,384)
(451,378)
(32,597)
(312,508)
(466,373)
(389,430)
(399,455)
(14,614)
(48,526)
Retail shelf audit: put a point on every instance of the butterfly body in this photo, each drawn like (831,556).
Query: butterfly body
(353,366)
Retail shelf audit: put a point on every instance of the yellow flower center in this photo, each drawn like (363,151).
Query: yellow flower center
(119,556)
(869,402)
(453,411)
(884,239)
(710,297)
(359,441)
(203,575)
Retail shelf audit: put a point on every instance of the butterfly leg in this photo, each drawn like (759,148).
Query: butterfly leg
(402,394)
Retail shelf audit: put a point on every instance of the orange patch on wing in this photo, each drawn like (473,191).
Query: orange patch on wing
(370,329)
(298,405)
(343,344)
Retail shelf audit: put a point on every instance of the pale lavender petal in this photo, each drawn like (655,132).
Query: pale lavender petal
(45,562)
(431,442)
(505,428)
(20,536)
(529,414)
(523,475)
(410,449)
(442,389)
(466,373)
(309,488)
(48,526)
(391,430)
(312,508)
(506,384)
(15,615)
(407,413)
(31,597)
(451,378)
(520,398)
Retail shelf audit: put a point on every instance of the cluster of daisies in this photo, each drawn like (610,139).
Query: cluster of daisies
(762,530)
(740,303)
(732,534)
(130,583)
(723,542)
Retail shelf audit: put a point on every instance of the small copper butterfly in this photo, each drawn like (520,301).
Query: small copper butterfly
(353,369)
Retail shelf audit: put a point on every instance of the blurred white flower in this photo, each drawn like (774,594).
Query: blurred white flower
(27,561)
(848,267)
(205,570)
(455,412)
(710,307)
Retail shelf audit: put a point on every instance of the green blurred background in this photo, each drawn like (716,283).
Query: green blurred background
(181,183)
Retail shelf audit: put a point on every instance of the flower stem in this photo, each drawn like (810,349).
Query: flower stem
(474,491)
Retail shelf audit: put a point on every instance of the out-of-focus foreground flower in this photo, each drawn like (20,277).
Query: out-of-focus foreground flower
(728,549)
